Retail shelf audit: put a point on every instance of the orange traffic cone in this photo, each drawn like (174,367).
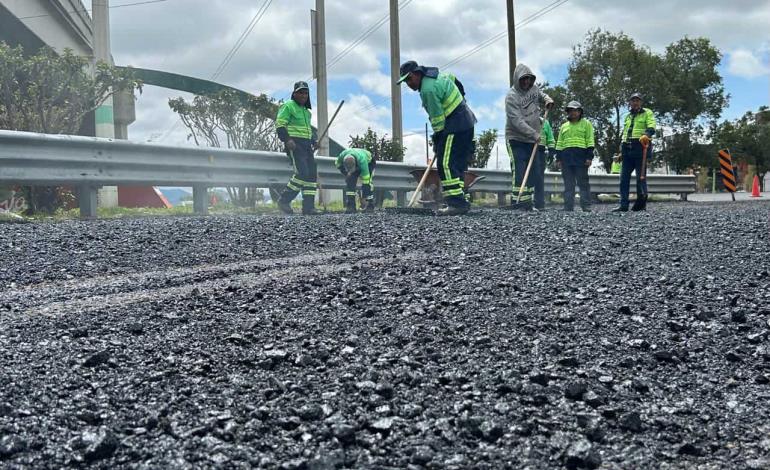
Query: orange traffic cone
(755,187)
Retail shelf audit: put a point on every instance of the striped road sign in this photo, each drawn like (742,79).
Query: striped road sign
(726,168)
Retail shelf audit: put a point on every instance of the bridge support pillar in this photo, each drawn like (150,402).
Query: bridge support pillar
(501,199)
(201,200)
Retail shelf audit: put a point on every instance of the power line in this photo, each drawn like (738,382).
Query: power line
(85,10)
(365,35)
(230,54)
(486,43)
(242,39)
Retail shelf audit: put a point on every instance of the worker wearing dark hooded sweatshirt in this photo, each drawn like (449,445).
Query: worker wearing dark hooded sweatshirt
(443,98)
(523,128)
(294,130)
(354,164)
(575,152)
(638,131)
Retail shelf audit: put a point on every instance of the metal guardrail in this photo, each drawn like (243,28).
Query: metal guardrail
(88,163)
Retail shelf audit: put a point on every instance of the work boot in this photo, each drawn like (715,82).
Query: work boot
(308,206)
(453,210)
(620,209)
(285,206)
(640,204)
(350,204)
(586,208)
(369,209)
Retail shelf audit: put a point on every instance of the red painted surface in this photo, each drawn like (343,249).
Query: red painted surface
(142,196)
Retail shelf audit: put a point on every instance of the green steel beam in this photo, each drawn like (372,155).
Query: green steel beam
(197,86)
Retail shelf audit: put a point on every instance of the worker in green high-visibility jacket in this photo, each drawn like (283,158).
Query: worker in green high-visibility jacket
(294,130)
(443,98)
(638,131)
(575,153)
(354,164)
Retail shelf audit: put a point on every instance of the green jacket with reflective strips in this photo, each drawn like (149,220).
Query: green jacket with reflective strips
(363,159)
(546,136)
(293,121)
(638,124)
(440,98)
(576,142)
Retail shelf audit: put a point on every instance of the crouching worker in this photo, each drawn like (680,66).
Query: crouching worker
(575,152)
(355,164)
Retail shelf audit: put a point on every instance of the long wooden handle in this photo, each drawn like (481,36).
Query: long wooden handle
(422,182)
(644,162)
(531,161)
(526,174)
(331,121)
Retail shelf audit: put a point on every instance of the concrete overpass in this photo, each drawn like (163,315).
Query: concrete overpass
(60,24)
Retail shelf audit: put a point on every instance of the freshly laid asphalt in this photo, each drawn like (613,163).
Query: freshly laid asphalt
(494,340)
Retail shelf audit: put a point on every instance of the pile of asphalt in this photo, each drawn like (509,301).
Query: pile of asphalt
(388,341)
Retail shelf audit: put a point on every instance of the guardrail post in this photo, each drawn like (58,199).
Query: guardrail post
(501,199)
(201,199)
(683,197)
(401,198)
(88,201)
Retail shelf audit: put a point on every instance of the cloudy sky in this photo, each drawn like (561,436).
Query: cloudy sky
(192,37)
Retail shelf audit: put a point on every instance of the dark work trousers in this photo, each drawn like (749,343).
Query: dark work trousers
(305,178)
(632,163)
(576,175)
(453,152)
(520,152)
(367,190)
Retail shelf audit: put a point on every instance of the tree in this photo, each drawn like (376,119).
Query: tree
(747,139)
(225,120)
(682,86)
(560,95)
(484,144)
(382,148)
(604,72)
(52,93)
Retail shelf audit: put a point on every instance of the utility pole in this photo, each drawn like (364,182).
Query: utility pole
(104,114)
(395,64)
(511,41)
(319,43)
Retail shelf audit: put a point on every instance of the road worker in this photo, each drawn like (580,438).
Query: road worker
(299,138)
(354,164)
(575,153)
(523,130)
(443,98)
(638,131)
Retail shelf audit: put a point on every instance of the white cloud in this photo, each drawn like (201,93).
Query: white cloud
(745,63)
(192,36)
(376,82)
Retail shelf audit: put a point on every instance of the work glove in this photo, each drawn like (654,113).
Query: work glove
(588,163)
(291,145)
(436,136)
(645,140)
